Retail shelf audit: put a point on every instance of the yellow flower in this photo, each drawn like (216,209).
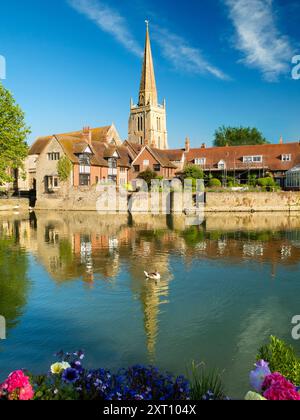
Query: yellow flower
(253,396)
(57,368)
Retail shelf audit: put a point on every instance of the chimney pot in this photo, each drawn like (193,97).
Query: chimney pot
(203,146)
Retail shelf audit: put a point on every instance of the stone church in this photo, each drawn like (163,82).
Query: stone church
(147,121)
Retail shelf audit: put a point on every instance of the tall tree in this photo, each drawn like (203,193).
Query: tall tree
(13,134)
(238,136)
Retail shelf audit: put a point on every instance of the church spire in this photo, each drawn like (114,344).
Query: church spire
(148,92)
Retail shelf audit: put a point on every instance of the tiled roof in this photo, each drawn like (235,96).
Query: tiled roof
(98,134)
(39,145)
(174,155)
(233,156)
(162,158)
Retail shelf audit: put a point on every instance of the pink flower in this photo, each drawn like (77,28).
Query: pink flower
(278,388)
(276,379)
(17,386)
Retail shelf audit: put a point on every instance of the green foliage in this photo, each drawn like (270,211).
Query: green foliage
(47,391)
(282,358)
(193,171)
(13,135)
(64,168)
(148,175)
(203,380)
(214,182)
(266,182)
(252,180)
(236,136)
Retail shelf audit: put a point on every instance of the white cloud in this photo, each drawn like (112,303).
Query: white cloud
(109,21)
(259,38)
(183,56)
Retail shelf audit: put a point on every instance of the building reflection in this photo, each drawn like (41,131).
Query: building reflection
(94,247)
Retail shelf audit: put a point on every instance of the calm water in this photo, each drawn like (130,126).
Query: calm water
(72,281)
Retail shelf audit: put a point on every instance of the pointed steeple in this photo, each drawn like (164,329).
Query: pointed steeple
(148,92)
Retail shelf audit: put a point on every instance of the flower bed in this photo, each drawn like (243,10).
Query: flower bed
(67,379)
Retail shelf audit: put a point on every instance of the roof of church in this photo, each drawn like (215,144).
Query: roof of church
(148,91)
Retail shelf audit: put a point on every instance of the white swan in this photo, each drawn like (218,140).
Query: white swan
(153,276)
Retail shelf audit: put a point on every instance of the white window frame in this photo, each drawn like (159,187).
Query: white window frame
(146,163)
(222,164)
(253,159)
(287,157)
(200,161)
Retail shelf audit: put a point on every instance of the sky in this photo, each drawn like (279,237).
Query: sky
(73,63)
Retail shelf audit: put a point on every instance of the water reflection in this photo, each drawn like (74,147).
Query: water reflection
(117,249)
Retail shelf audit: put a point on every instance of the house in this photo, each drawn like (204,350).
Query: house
(95,154)
(241,161)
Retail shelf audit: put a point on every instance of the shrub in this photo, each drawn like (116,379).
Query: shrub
(148,176)
(282,359)
(193,171)
(214,182)
(267,182)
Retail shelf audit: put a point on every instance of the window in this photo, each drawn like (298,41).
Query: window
(156,167)
(112,163)
(221,165)
(158,124)
(146,163)
(141,140)
(97,180)
(53,156)
(252,159)
(84,164)
(136,168)
(52,183)
(286,158)
(200,161)
(84,180)
(122,170)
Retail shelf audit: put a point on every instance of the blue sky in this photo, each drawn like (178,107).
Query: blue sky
(72,63)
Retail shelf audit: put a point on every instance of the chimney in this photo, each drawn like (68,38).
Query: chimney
(87,135)
(203,146)
(281,140)
(187,145)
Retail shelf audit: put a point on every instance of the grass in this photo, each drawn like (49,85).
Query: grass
(203,380)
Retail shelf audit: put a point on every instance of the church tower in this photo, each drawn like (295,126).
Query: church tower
(147,121)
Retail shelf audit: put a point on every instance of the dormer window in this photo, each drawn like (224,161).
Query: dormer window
(222,165)
(252,159)
(200,161)
(286,158)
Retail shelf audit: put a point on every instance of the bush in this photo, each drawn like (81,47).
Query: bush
(148,176)
(282,359)
(64,169)
(193,171)
(214,182)
(267,182)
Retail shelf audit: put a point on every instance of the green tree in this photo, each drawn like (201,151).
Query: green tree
(193,171)
(64,168)
(238,136)
(13,135)
(148,176)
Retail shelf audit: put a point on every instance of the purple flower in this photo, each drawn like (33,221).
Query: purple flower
(258,375)
(70,376)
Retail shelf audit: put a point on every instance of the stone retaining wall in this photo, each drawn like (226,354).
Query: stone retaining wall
(86,199)
(252,201)
(14,204)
